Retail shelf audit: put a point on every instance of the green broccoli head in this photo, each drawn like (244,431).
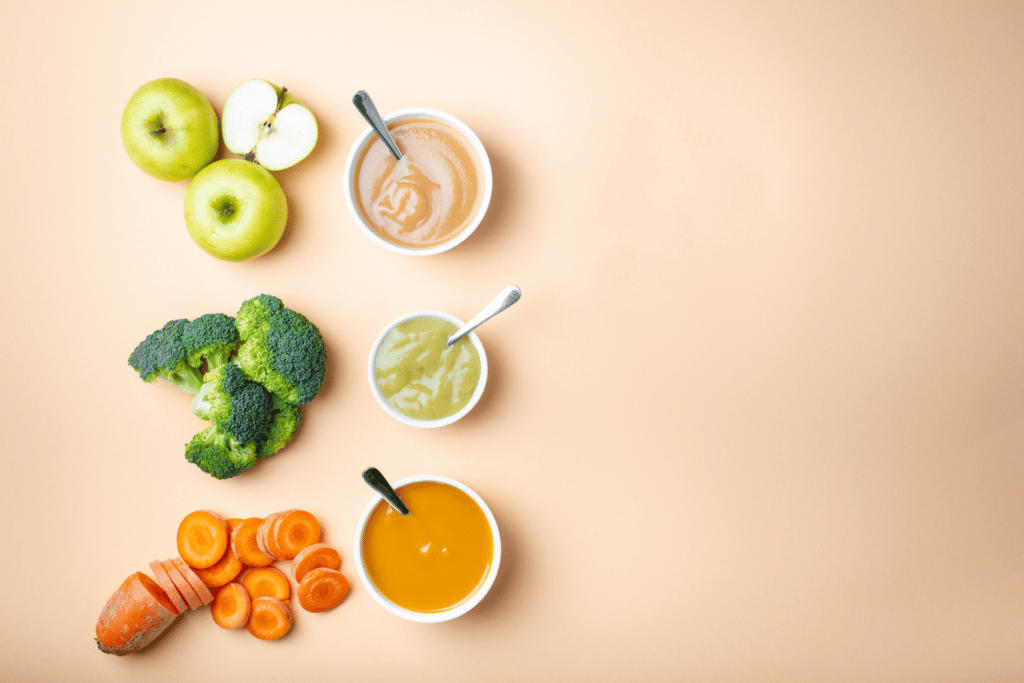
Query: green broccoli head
(281,349)
(280,428)
(164,355)
(212,337)
(215,453)
(237,406)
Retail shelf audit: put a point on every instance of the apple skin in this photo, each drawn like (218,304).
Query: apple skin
(235,210)
(190,135)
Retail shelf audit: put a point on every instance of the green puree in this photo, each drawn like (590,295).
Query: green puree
(420,376)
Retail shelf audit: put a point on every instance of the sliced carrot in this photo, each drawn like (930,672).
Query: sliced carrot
(267,581)
(193,579)
(233,523)
(231,607)
(183,586)
(322,589)
(296,530)
(137,612)
(270,619)
(202,538)
(164,580)
(244,545)
(225,571)
(313,556)
(266,536)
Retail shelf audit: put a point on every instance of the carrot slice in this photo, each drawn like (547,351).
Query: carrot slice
(270,619)
(164,580)
(137,612)
(231,607)
(225,571)
(183,586)
(313,556)
(197,584)
(322,589)
(244,545)
(202,538)
(233,523)
(296,530)
(267,581)
(263,537)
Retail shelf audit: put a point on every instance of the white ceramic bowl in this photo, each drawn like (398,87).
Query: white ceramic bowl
(368,136)
(405,419)
(429,617)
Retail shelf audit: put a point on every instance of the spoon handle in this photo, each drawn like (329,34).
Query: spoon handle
(505,298)
(365,106)
(376,480)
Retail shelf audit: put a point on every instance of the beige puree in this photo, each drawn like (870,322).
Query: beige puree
(428,197)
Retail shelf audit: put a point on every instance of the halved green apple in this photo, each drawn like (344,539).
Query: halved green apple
(266,124)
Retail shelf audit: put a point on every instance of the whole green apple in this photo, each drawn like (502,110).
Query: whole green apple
(169,129)
(235,210)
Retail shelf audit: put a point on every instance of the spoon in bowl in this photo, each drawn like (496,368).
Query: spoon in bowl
(365,106)
(505,298)
(377,482)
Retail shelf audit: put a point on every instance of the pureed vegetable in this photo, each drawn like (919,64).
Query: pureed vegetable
(422,377)
(430,195)
(434,558)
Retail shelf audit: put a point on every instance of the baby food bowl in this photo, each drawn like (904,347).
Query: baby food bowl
(368,136)
(394,412)
(429,617)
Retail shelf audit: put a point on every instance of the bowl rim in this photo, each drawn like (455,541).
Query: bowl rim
(462,607)
(391,410)
(443,117)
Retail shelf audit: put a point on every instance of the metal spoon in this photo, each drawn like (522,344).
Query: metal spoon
(365,106)
(505,298)
(377,482)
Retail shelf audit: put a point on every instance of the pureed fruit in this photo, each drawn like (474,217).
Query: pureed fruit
(428,197)
(436,557)
(420,375)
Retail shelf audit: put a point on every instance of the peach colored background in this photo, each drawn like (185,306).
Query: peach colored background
(756,418)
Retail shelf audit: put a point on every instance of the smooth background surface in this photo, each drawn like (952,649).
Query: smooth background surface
(756,418)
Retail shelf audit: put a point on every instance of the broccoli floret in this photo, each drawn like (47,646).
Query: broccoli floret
(237,406)
(212,337)
(280,428)
(281,349)
(164,355)
(217,454)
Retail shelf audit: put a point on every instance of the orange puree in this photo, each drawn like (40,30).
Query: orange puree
(429,196)
(435,557)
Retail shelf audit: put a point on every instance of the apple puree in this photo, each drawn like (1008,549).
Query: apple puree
(429,196)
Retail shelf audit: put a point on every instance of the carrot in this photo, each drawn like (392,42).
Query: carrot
(270,619)
(202,538)
(204,593)
(233,523)
(313,556)
(322,589)
(164,580)
(244,545)
(232,606)
(225,571)
(183,586)
(267,581)
(265,537)
(137,612)
(296,530)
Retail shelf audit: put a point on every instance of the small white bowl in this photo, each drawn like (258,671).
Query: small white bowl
(368,136)
(405,419)
(429,617)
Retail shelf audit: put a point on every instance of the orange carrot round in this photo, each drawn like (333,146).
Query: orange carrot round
(266,582)
(225,571)
(270,619)
(137,612)
(183,586)
(163,579)
(202,538)
(201,589)
(313,556)
(233,523)
(322,589)
(265,537)
(244,545)
(294,531)
(231,607)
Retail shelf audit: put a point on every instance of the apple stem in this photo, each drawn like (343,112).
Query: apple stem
(158,131)
(280,98)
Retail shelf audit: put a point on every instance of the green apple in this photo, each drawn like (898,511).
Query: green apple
(235,210)
(169,129)
(266,124)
